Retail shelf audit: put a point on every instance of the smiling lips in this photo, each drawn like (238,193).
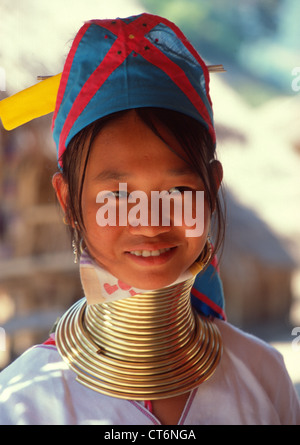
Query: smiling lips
(152,257)
(147,253)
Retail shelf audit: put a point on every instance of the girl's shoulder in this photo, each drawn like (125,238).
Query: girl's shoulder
(258,375)
(237,338)
(247,355)
(31,363)
(34,375)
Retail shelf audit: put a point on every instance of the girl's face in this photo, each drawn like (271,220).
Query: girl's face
(145,256)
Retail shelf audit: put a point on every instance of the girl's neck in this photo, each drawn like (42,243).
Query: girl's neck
(144,326)
(149,346)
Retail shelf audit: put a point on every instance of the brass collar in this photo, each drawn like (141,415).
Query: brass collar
(145,347)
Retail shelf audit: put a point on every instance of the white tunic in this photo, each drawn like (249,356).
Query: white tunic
(250,387)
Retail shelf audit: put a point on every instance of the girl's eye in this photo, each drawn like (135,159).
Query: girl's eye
(120,194)
(117,194)
(178,189)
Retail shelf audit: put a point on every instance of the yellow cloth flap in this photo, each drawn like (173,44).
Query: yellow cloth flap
(33,102)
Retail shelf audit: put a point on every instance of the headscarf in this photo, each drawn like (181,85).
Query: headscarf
(141,61)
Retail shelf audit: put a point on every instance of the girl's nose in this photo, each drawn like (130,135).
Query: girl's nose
(148,225)
(148,220)
(148,230)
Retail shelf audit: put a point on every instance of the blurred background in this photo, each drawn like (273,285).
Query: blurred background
(257,115)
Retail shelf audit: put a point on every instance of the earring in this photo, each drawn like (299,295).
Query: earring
(81,246)
(205,255)
(75,243)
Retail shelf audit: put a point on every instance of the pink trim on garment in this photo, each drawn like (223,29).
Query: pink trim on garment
(187,407)
(147,413)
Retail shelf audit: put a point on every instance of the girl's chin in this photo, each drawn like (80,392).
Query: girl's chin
(151,281)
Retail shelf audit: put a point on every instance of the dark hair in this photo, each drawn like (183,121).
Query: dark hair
(191,135)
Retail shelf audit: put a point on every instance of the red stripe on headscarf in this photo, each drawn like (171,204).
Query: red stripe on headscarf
(180,79)
(209,303)
(192,50)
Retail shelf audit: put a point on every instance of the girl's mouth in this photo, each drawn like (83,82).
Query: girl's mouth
(147,253)
(151,257)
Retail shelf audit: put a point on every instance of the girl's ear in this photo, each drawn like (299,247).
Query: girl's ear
(61,189)
(217,171)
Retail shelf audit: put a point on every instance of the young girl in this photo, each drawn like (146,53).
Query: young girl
(138,184)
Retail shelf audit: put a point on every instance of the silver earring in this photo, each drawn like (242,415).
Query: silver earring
(75,243)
